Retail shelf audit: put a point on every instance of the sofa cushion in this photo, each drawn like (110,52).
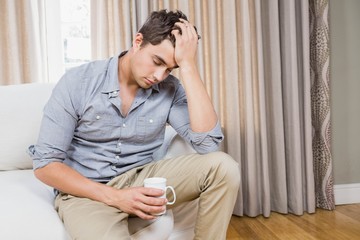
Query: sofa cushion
(20,117)
(173,146)
(26,207)
(184,220)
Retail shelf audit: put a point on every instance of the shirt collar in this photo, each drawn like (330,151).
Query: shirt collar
(111,85)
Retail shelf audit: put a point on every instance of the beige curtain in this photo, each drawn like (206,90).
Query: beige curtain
(106,16)
(275,112)
(21,42)
(254,58)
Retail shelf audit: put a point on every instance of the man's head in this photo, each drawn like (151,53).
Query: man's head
(159,25)
(152,56)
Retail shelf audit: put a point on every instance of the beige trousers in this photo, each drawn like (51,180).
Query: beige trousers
(213,178)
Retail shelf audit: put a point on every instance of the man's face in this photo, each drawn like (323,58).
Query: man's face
(151,64)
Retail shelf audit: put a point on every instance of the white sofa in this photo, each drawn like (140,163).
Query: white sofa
(26,204)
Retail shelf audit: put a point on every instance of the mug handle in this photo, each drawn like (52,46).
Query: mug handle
(173,192)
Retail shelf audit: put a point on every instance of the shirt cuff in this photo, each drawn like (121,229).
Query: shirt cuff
(205,142)
(40,159)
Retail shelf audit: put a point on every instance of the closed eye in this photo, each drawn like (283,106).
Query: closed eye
(160,63)
(157,63)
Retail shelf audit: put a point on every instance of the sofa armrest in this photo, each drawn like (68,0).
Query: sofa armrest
(20,117)
(173,146)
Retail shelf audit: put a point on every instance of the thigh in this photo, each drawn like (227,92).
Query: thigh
(188,174)
(87,219)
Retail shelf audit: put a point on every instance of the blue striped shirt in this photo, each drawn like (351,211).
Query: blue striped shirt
(83,127)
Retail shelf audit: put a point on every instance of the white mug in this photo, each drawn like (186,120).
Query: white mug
(160,183)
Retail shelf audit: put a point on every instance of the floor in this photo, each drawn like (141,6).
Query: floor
(343,223)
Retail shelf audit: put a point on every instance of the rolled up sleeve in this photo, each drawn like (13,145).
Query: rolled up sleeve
(206,142)
(43,156)
(57,126)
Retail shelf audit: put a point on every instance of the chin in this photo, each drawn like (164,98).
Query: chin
(144,85)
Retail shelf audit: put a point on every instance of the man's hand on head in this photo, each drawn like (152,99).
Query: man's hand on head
(186,43)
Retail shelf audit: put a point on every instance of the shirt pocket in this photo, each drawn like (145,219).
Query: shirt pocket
(151,128)
(98,126)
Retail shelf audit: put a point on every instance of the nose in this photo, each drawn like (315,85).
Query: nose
(160,74)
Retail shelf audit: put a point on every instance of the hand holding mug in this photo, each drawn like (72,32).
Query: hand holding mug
(160,183)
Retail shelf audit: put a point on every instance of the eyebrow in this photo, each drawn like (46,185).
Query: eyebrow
(163,61)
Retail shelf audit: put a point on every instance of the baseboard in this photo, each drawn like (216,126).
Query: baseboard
(347,193)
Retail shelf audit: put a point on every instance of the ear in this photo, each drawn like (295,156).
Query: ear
(137,41)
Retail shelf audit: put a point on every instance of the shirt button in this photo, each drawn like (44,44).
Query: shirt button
(117,158)
(151,121)
(124,125)
(97,117)
(113,94)
(119,144)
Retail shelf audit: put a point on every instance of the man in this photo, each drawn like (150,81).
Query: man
(104,121)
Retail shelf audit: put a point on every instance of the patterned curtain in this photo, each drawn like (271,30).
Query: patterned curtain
(320,98)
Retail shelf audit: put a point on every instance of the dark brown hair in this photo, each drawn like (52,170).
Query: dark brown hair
(159,25)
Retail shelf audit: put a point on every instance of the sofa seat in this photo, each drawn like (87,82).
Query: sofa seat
(27,209)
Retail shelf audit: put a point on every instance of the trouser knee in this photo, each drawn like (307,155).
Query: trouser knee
(227,167)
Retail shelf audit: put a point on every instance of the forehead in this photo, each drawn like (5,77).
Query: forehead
(164,50)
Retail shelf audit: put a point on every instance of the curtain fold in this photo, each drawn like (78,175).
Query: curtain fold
(21,41)
(107,18)
(274,147)
(254,59)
